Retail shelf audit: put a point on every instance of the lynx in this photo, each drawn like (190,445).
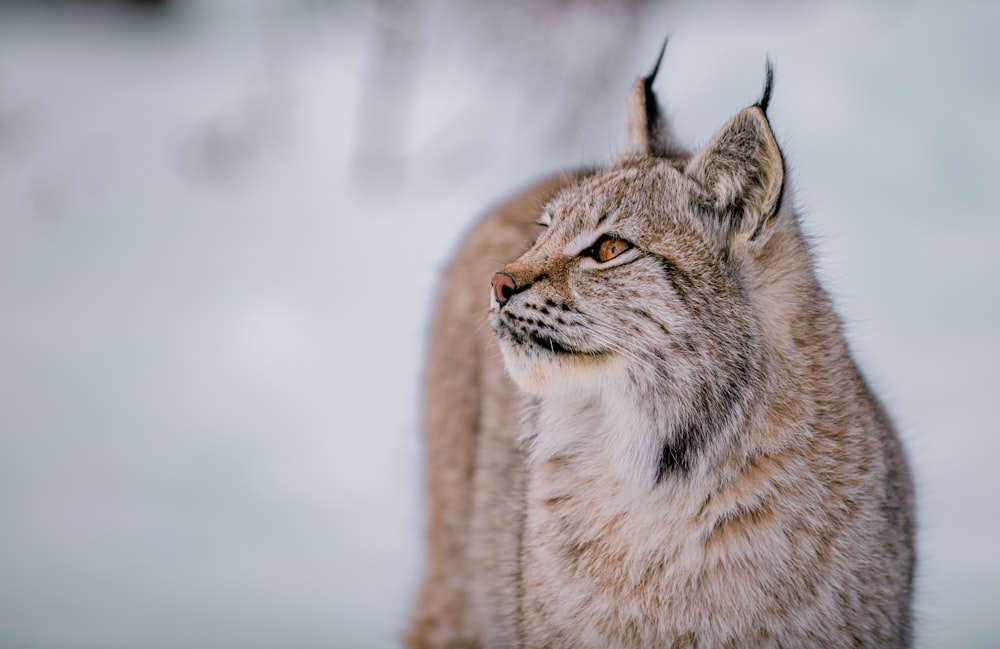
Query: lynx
(660,438)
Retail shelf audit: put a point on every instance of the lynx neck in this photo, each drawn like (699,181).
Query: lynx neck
(611,433)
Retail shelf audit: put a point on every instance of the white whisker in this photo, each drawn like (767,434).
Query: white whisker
(613,344)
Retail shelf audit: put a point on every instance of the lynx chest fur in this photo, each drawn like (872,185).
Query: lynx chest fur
(659,439)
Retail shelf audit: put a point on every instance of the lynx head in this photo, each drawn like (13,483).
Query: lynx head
(642,284)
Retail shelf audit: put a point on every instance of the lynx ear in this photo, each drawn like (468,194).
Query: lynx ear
(646,131)
(742,169)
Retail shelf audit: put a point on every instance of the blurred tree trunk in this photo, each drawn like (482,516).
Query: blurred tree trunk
(387,96)
(563,55)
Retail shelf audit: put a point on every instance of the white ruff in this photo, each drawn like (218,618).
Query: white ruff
(591,414)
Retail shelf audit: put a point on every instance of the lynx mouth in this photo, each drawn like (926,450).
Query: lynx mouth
(534,339)
(541,364)
(550,344)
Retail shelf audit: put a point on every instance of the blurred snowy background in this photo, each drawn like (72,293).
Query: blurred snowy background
(221,225)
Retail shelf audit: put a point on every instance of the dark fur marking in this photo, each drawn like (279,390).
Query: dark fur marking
(714,410)
(649,78)
(575,550)
(765,98)
(675,458)
(535,336)
(548,343)
(642,313)
(679,280)
(660,356)
(708,499)
(653,116)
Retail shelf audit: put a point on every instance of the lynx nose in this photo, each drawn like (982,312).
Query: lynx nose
(503,287)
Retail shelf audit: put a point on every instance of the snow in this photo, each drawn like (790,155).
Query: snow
(216,271)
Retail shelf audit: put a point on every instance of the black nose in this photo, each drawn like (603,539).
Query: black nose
(503,287)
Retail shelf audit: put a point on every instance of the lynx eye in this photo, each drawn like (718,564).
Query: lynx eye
(607,248)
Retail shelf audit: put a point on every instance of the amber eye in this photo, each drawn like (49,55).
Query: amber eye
(607,248)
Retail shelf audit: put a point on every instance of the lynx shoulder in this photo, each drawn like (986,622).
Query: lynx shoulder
(660,438)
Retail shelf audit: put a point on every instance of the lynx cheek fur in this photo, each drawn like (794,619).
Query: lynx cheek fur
(687,456)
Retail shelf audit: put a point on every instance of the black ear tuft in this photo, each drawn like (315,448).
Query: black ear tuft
(649,78)
(765,99)
(653,114)
(647,133)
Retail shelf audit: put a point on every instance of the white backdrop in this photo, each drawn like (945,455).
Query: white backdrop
(220,231)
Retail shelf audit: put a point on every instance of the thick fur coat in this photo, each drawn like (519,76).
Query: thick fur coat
(660,438)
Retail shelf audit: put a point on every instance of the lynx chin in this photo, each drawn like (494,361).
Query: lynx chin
(646,430)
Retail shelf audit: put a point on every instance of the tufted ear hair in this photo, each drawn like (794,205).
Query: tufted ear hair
(741,169)
(646,131)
